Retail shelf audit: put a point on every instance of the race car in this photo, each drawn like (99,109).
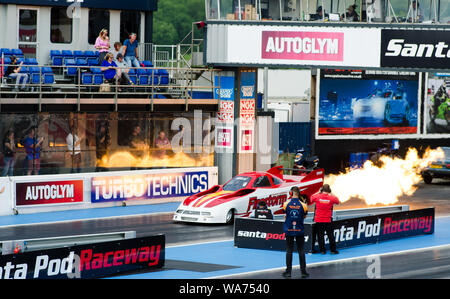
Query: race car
(385,105)
(240,195)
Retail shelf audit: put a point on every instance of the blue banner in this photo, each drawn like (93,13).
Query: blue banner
(226,88)
(248,84)
(148,186)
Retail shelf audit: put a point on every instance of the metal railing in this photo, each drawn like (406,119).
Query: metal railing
(80,83)
(8,247)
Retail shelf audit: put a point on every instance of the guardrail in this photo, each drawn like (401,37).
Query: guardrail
(88,82)
(9,247)
(354,213)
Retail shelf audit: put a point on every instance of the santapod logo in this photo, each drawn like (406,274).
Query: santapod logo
(415,48)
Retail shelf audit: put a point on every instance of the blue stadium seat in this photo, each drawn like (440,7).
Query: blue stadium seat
(81,62)
(87,78)
(142,75)
(7,61)
(66,54)
(152,73)
(132,75)
(35,75)
(78,54)
(24,70)
(56,57)
(163,77)
(70,71)
(17,52)
(88,54)
(30,61)
(48,76)
(6,52)
(97,76)
(92,61)
(147,63)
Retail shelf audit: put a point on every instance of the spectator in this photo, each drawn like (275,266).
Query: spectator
(117,49)
(137,142)
(102,45)
(351,15)
(13,71)
(73,141)
(130,47)
(32,146)
(319,14)
(108,68)
(9,150)
(122,71)
(324,201)
(416,13)
(102,142)
(162,144)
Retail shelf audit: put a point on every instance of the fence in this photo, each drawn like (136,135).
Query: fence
(84,82)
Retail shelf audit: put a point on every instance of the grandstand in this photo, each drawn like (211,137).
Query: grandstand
(62,63)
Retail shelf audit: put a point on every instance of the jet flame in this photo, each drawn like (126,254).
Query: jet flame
(383,184)
(127,159)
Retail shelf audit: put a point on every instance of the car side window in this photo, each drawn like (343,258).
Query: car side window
(262,181)
(276,181)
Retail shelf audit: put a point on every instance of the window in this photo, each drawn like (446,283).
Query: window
(98,20)
(276,181)
(130,21)
(237,183)
(60,26)
(262,181)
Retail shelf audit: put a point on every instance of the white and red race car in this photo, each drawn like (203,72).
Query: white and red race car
(240,195)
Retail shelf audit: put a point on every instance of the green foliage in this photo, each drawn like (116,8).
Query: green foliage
(174,18)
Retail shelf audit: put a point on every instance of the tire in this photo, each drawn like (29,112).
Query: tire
(427,178)
(229,218)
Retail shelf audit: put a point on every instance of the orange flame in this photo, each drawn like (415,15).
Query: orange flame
(386,183)
(127,159)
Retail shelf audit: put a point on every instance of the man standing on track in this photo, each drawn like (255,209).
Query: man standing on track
(296,212)
(324,201)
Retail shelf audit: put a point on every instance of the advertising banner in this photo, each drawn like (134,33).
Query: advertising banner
(293,45)
(367,102)
(86,261)
(50,192)
(437,105)
(224,137)
(425,49)
(148,186)
(266,234)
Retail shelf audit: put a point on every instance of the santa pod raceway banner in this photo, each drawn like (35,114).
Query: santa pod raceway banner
(367,102)
(265,234)
(49,192)
(148,186)
(86,261)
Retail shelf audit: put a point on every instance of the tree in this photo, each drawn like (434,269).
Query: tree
(173,20)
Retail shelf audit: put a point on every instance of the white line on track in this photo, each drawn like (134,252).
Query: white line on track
(85,219)
(335,261)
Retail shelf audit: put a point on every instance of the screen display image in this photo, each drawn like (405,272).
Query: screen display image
(367,102)
(437,104)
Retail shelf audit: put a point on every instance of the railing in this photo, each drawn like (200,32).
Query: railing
(388,11)
(82,83)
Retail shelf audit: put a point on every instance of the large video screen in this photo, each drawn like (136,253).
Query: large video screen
(357,102)
(437,104)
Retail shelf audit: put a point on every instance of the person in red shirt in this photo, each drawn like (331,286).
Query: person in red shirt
(324,202)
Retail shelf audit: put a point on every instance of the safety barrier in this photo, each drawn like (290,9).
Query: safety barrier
(47,193)
(19,246)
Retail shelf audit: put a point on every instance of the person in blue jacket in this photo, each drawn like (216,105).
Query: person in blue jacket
(296,211)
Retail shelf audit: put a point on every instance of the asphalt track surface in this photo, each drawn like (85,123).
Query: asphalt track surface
(432,262)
